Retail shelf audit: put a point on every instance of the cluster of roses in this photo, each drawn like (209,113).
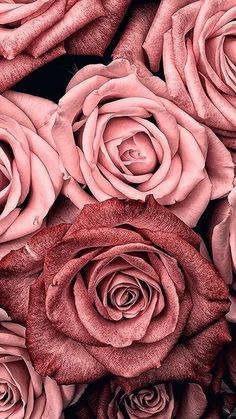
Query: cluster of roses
(116,307)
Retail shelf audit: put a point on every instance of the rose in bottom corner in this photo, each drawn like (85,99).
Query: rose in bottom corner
(107,400)
(122,290)
(23,393)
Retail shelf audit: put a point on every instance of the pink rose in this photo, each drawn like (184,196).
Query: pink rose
(30,179)
(222,233)
(32,32)
(115,136)
(23,393)
(196,40)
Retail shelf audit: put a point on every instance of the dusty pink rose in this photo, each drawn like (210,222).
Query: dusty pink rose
(119,139)
(32,32)
(196,40)
(222,234)
(23,393)
(30,179)
(107,400)
(122,290)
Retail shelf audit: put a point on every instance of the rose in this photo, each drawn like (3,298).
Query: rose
(120,140)
(32,32)
(30,179)
(95,37)
(107,400)
(23,393)
(222,235)
(122,290)
(196,42)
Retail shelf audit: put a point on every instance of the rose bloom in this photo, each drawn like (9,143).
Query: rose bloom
(222,236)
(35,32)
(196,40)
(123,290)
(23,393)
(32,32)
(107,400)
(30,179)
(120,140)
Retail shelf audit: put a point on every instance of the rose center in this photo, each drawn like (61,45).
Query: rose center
(230,48)
(138,155)
(124,294)
(3,391)
(6,396)
(150,400)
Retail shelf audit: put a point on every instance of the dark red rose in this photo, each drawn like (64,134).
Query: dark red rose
(123,290)
(167,400)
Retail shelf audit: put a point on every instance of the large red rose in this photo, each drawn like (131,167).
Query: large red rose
(196,41)
(23,393)
(123,290)
(115,136)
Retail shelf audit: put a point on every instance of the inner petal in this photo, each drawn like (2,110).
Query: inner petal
(230,48)
(138,154)
(124,297)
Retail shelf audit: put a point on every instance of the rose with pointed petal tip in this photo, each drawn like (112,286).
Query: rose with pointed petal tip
(222,236)
(122,290)
(32,32)
(196,41)
(30,178)
(107,400)
(23,393)
(119,139)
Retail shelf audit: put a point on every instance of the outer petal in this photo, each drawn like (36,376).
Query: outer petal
(185,360)
(70,362)
(149,215)
(20,268)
